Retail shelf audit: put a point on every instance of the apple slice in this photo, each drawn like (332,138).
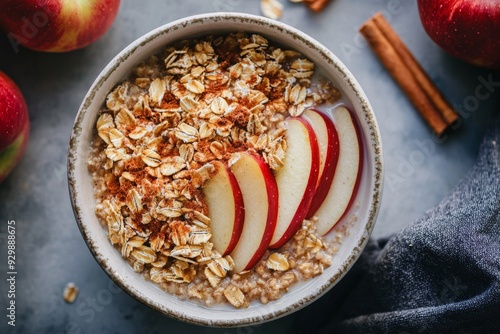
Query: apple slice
(296,180)
(347,174)
(328,142)
(225,208)
(260,198)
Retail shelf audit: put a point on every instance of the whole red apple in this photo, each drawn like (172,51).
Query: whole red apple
(467,29)
(14,125)
(56,25)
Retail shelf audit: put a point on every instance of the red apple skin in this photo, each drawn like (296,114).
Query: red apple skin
(312,182)
(326,177)
(272,213)
(14,125)
(467,29)
(239,209)
(239,213)
(56,25)
(360,172)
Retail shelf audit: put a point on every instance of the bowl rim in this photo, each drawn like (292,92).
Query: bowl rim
(373,144)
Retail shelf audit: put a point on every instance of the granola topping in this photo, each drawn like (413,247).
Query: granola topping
(158,135)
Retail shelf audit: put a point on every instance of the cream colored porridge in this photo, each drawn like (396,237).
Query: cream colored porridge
(158,135)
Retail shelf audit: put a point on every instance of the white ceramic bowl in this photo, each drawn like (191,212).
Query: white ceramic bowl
(301,294)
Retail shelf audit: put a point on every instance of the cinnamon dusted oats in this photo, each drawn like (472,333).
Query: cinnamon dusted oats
(158,135)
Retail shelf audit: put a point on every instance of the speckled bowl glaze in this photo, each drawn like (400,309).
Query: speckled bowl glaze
(80,183)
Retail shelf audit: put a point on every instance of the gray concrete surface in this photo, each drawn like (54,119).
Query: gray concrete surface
(50,251)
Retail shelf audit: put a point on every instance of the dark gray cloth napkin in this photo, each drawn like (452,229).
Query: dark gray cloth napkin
(439,275)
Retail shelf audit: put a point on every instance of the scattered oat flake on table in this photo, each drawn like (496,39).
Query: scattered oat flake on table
(271,8)
(70,292)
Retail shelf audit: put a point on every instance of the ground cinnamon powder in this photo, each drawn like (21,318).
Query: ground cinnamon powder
(240,116)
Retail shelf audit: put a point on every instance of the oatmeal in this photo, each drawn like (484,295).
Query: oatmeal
(70,293)
(160,136)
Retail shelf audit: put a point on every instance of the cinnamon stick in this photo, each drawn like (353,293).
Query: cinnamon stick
(317,5)
(443,106)
(408,73)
